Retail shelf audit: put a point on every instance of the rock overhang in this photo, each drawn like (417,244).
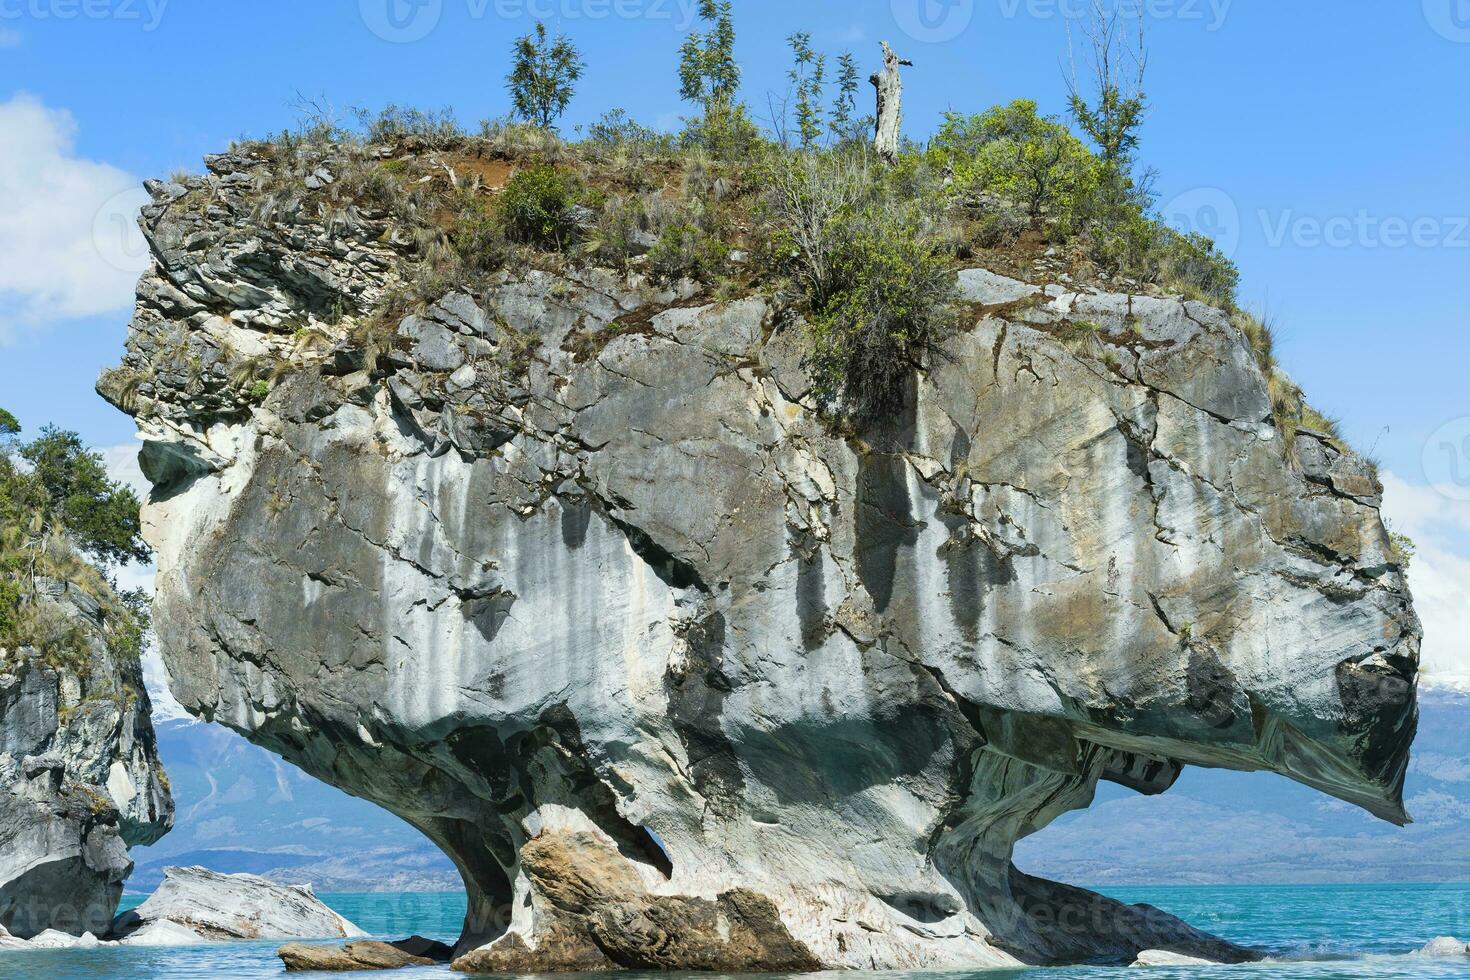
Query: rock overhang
(632,582)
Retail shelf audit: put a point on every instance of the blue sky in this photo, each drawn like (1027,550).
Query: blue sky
(1326,143)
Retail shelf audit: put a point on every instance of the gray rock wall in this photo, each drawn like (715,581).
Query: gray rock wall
(578,561)
(80,780)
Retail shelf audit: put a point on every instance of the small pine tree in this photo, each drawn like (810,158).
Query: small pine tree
(708,73)
(542,77)
(807,75)
(709,76)
(845,122)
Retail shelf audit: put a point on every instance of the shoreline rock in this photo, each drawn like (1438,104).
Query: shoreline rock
(80,778)
(362,955)
(219,907)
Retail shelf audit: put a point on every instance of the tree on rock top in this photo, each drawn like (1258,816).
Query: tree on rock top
(542,77)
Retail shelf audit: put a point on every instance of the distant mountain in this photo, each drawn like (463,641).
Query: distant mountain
(1219,827)
(240,808)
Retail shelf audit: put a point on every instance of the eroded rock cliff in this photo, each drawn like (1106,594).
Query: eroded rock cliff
(571,576)
(80,780)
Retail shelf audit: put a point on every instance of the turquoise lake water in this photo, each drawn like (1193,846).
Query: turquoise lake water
(1312,932)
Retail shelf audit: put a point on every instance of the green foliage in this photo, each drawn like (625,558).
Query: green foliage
(9,607)
(68,485)
(1013,152)
(1401,548)
(688,247)
(1112,122)
(708,72)
(536,207)
(542,76)
(876,281)
(128,633)
(56,499)
(259,390)
(615,128)
(807,75)
(873,330)
(710,77)
(725,132)
(846,126)
(8,424)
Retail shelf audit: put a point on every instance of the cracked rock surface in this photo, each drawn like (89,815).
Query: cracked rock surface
(573,578)
(80,780)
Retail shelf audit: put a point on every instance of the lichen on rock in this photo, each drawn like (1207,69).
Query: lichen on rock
(572,575)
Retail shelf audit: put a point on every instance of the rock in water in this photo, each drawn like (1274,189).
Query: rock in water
(680,678)
(80,780)
(1162,957)
(1445,946)
(360,955)
(215,906)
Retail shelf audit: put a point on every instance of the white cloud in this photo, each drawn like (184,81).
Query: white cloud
(69,246)
(1439,576)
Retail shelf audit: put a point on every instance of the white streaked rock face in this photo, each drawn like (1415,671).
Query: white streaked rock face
(621,626)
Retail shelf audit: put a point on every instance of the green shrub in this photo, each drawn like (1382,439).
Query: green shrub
(890,300)
(536,207)
(615,128)
(9,611)
(1193,265)
(687,247)
(620,224)
(724,132)
(1013,152)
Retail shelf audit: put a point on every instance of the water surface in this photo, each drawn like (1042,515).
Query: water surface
(1313,932)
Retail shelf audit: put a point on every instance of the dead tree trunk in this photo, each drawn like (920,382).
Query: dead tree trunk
(889,84)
